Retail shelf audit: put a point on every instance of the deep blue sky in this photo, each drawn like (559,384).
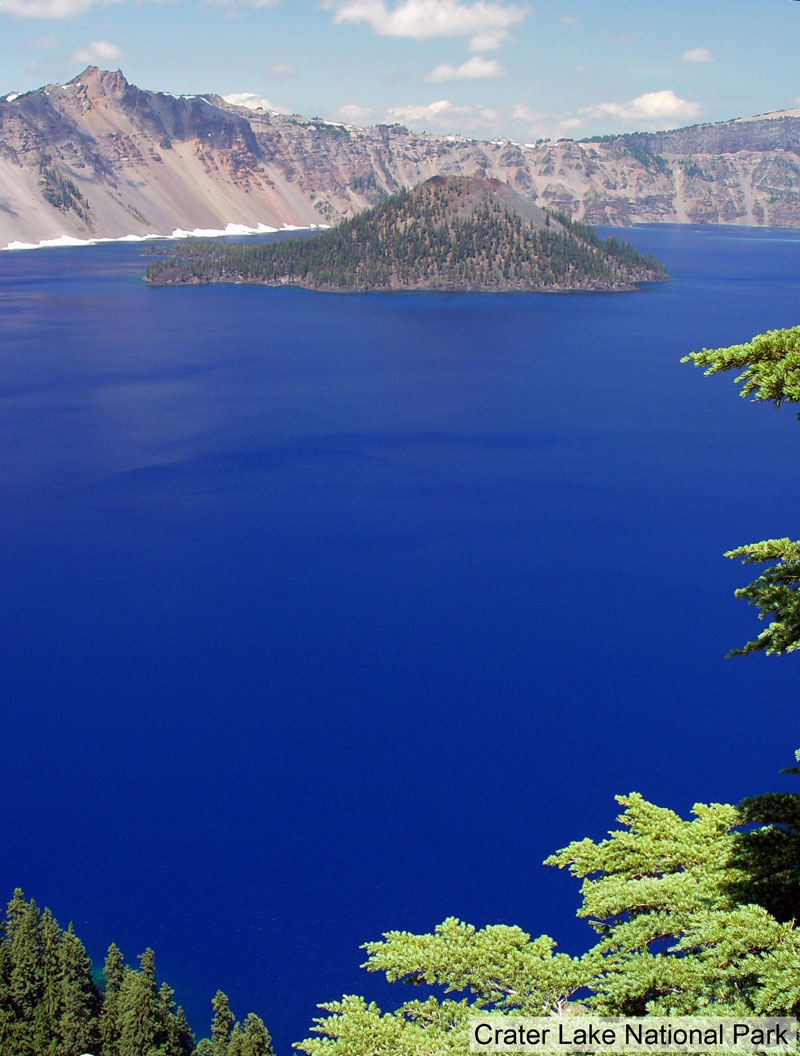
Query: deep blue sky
(479,67)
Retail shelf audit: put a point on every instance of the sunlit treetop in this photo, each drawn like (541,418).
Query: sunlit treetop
(774,593)
(771,363)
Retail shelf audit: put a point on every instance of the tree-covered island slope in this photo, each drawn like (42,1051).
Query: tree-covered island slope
(449,233)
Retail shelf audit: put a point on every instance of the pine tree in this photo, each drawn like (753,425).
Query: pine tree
(110,1027)
(113,969)
(7,1018)
(139,1012)
(51,1006)
(235,1041)
(770,370)
(769,365)
(46,1027)
(80,1002)
(767,852)
(27,976)
(182,1034)
(256,1040)
(178,1038)
(221,1024)
(681,911)
(661,893)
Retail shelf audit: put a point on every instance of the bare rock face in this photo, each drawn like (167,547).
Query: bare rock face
(99,157)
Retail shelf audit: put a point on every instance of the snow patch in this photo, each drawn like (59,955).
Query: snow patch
(49,243)
(179,232)
(12,96)
(230,229)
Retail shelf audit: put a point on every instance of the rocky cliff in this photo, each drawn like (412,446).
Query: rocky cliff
(99,157)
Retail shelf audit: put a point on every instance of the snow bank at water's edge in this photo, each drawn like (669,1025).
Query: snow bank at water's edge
(199,232)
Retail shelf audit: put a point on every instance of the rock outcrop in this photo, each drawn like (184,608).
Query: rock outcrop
(99,157)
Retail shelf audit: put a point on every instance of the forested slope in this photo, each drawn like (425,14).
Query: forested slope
(52,1003)
(450,233)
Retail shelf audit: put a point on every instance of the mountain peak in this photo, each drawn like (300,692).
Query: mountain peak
(465,195)
(93,77)
(136,162)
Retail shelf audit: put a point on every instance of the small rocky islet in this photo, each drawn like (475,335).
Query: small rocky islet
(449,233)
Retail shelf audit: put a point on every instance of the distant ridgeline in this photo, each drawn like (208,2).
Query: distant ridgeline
(449,233)
(51,1003)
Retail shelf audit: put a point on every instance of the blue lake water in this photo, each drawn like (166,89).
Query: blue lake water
(329,615)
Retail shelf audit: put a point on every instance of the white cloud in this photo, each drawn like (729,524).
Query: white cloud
(49,40)
(489,40)
(652,109)
(698,55)
(46,8)
(472,69)
(96,51)
(485,22)
(353,114)
(568,20)
(521,112)
(281,71)
(442,113)
(252,101)
(482,121)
